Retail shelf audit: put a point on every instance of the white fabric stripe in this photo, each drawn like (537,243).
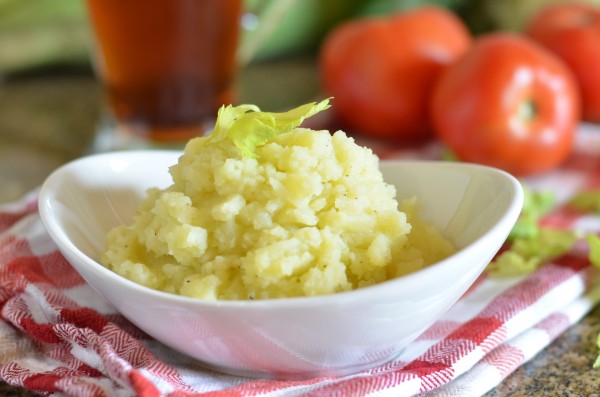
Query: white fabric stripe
(34,364)
(468,385)
(587,224)
(30,228)
(86,355)
(86,296)
(39,308)
(552,300)
(467,362)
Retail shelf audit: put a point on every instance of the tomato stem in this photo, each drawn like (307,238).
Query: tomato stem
(527,110)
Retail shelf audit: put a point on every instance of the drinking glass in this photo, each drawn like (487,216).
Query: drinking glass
(166,67)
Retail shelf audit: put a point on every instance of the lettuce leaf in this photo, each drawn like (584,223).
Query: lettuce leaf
(588,201)
(535,205)
(248,128)
(530,244)
(528,253)
(593,242)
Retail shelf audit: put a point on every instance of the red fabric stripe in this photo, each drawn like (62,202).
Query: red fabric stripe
(86,370)
(24,268)
(476,330)
(83,318)
(432,374)
(585,162)
(39,332)
(59,271)
(448,351)
(22,271)
(563,218)
(42,382)
(423,368)
(142,386)
(576,263)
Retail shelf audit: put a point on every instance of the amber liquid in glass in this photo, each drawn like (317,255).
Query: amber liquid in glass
(167,65)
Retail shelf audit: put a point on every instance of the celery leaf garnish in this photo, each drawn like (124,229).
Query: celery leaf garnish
(248,128)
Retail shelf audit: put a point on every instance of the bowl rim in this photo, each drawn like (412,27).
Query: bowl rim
(48,192)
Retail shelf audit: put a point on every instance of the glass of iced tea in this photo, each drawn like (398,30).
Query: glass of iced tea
(167,65)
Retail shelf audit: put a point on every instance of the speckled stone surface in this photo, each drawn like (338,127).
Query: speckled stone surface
(47,120)
(44,122)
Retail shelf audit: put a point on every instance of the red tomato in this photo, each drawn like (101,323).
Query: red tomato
(381,71)
(508,103)
(572,31)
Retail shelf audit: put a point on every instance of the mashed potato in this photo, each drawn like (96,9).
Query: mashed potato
(308,214)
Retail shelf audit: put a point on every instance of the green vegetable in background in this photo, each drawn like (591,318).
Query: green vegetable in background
(535,205)
(286,27)
(594,246)
(528,253)
(530,244)
(38,33)
(35,33)
(587,201)
(511,15)
(379,7)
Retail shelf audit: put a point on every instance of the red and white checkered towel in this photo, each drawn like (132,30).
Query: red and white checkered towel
(58,336)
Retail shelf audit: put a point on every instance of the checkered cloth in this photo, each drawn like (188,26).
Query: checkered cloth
(58,336)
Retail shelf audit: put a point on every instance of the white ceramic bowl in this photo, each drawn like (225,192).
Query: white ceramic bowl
(474,206)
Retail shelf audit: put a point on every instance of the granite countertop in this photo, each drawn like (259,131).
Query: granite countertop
(47,119)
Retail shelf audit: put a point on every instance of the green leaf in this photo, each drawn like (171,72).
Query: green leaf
(588,201)
(511,263)
(593,241)
(248,128)
(535,205)
(597,363)
(528,253)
